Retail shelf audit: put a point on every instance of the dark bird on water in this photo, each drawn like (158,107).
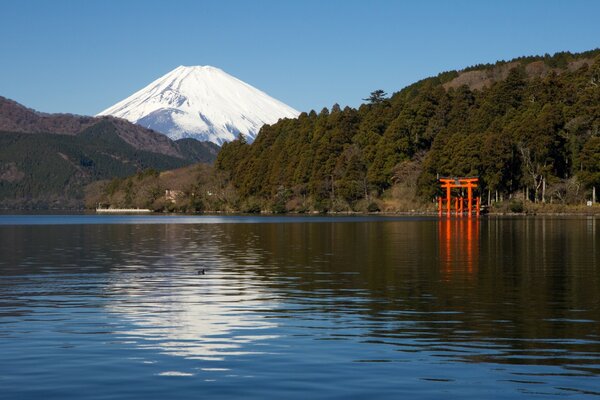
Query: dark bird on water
(201,271)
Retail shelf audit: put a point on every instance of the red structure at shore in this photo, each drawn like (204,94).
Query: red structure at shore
(462,205)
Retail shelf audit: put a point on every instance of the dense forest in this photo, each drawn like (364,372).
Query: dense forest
(40,171)
(46,160)
(528,128)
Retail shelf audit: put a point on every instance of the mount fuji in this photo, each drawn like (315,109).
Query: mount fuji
(201,102)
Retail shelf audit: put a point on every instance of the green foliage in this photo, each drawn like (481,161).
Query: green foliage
(516,206)
(517,129)
(279,201)
(373,207)
(377,96)
(192,149)
(251,206)
(150,172)
(589,160)
(52,169)
(520,131)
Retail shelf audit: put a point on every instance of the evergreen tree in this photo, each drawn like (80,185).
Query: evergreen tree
(516,128)
(377,96)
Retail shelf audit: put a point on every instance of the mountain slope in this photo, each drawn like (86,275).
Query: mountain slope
(15,117)
(192,149)
(529,128)
(50,171)
(46,160)
(204,103)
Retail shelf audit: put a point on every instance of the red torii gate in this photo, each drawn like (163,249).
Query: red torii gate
(469,183)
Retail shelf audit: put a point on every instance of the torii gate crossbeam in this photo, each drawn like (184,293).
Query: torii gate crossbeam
(468,183)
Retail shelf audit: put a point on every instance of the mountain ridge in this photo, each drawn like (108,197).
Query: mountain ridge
(47,159)
(202,102)
(528,127)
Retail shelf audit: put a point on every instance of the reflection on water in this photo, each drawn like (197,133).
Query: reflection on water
(459,245)
(502,308)
(197,317)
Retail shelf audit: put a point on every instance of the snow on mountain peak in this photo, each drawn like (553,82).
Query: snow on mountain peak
(202,102)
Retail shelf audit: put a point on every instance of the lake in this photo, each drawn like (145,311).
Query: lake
(102,307)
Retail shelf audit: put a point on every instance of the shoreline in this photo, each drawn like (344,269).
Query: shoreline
(528,209)
(124,212)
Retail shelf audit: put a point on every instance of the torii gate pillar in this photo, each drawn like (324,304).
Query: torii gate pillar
(468,183)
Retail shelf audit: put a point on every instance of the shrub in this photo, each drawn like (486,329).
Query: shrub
(373,207)
(251,206)
(516,206)
(322,206)
(278,208)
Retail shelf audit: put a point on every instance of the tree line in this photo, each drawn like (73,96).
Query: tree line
(534,133)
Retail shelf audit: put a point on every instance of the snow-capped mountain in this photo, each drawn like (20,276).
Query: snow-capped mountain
(201,102)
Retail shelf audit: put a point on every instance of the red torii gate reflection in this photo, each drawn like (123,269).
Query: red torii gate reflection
(458,244)
(472,203)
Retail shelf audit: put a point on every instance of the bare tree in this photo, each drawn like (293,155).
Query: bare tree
(533,169)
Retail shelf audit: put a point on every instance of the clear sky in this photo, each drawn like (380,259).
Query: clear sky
(82,56)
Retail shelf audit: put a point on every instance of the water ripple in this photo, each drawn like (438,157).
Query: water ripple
(388,308)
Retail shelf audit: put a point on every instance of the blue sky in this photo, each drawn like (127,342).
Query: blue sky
(83,56)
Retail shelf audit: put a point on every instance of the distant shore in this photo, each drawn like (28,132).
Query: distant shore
(529,209)
(123,210)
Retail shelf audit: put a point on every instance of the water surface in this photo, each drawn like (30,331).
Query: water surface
(299,307)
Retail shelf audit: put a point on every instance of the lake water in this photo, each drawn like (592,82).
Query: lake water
(102,307)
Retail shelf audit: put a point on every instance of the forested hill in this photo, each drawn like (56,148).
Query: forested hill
(529,126)
(46,160)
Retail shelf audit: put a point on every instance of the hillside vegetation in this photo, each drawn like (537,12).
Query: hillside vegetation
(191,189)
(47,160)
(529,128)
